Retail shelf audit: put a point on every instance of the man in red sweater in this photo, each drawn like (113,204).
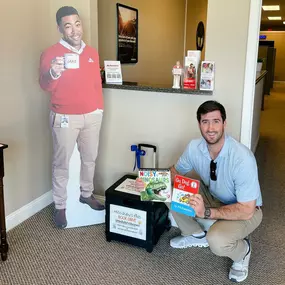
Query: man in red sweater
(76,109)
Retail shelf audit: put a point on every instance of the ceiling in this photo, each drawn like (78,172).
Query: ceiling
(274,25)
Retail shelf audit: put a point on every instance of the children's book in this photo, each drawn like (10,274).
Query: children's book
(183,188)
(157,185)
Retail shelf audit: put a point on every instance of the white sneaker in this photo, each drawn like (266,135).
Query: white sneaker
(188,241)
(239,270)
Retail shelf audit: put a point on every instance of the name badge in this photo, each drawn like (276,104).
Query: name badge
(64,121)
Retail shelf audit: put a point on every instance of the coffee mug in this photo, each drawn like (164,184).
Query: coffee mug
(71,60)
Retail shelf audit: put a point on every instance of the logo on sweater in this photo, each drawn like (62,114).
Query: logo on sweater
(90,59)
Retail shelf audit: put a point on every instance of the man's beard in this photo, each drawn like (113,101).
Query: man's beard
(215,141)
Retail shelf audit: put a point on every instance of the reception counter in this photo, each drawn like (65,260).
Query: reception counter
(135,86)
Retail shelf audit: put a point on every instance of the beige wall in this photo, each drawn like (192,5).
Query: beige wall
(94,23)
(227,46)
(160,38)
(196,12)
(279,44)
(24,106)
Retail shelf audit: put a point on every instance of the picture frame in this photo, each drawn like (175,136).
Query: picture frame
(127,34)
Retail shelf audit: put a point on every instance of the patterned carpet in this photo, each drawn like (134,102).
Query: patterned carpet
(40,254)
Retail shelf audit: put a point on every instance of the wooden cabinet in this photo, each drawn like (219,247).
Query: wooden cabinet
(3,245)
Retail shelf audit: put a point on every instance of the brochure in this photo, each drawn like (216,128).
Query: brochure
(113,72)
(207,75)
(190,73)
(191,69)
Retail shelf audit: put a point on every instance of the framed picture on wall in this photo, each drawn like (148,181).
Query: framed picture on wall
(127,34)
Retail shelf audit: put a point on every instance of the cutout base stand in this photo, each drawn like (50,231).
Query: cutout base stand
(78,214)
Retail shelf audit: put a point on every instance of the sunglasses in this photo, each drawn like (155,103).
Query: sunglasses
(213,167)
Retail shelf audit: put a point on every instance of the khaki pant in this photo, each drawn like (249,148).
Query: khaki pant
(225,237)
(83,130)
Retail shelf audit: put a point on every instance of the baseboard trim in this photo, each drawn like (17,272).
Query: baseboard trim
(27,211)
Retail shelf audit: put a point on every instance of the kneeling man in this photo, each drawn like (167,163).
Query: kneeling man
(230,192)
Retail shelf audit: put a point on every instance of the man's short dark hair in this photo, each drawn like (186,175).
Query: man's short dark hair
(211,106)
(65,11)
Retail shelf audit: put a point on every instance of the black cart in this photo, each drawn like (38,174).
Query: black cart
(130,220)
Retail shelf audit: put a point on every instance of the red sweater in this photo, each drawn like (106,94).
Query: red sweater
(76,91)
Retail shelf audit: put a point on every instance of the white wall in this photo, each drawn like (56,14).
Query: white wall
(250,73)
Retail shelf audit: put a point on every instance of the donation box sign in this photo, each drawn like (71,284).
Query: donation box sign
(128,222)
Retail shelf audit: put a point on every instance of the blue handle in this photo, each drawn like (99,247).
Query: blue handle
(139,152)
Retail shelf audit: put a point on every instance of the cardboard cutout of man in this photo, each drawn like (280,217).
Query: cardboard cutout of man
(76,110)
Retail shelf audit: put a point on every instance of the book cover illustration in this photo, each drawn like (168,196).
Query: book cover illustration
(157,185)
(183,188)
(207,75)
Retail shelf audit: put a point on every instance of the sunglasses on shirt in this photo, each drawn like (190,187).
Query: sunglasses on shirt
(213,167)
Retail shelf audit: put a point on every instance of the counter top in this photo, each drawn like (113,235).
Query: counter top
(260,75)
(155,88)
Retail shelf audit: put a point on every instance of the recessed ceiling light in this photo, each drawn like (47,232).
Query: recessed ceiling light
(274,18)
(271,7)
(284,23)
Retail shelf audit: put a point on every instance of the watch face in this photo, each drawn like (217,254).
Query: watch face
(207,213)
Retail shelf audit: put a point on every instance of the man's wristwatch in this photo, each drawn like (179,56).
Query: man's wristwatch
(207,213)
